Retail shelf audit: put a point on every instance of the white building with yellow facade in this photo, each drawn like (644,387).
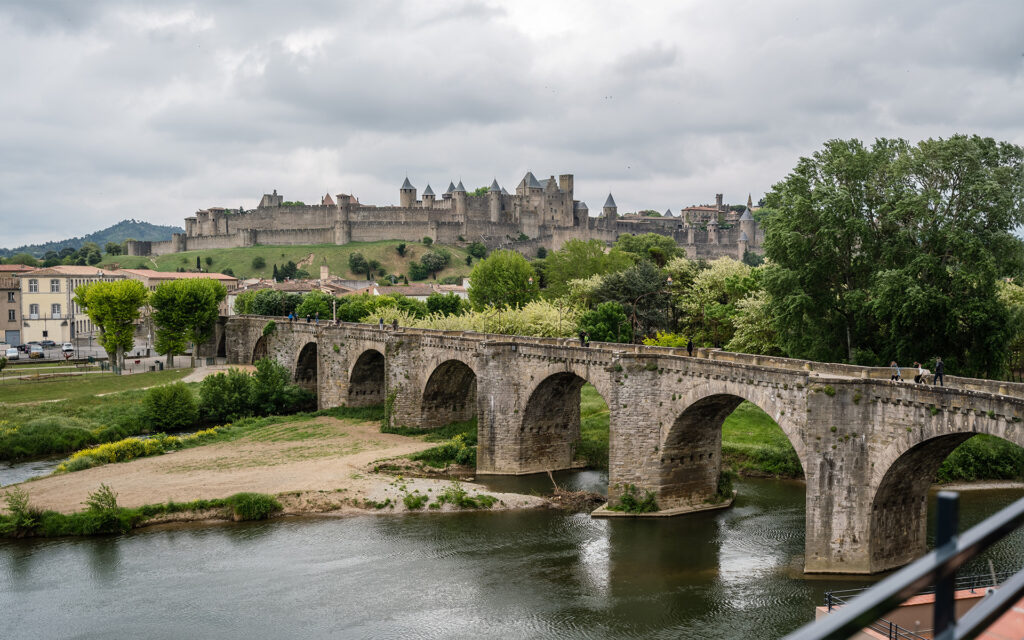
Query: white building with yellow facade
(47,302)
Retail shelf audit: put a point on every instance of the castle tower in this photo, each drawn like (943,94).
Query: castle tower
(718,201)
(610,212)
(713,230)
(459,195)
(748,225)
(742,246)
(494,201)
(407,195)
(428,198)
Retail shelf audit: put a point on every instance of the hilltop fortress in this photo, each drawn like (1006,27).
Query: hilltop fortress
(541,213)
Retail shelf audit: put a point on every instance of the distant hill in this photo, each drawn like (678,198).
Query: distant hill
(119,232)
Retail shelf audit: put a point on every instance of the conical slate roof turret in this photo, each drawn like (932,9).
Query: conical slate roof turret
(743,237)
(582,206)
(531,181)
(746,215)
(668,213)
(494,186)
(610,202)
(407,185)
(460,188)
(451,187)
(503,192)
(428,191)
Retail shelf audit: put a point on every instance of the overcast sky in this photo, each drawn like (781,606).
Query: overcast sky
(152,110)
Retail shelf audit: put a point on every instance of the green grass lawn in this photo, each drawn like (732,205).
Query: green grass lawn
(240,260)
(85,386)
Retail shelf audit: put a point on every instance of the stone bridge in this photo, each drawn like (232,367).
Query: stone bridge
(869,447)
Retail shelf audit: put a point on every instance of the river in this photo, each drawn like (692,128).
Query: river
(734,573)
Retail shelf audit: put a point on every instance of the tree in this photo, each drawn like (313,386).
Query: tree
(372,266)
(708,305)
(504,279)
(579,259)
(25,259)
(755,328)
(427,240)
(357,263)
(401,249)
(313,303)
(113,307)
(258,263)
(185,310)
(276,276)
(434,261)
(542,253)
(208,260)
(607,323)
(112,248)
(477,250)
(449,304)
(642,292)
(892,251)
(657,248)
(417,271)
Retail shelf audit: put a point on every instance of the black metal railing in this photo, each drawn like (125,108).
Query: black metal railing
(937,568)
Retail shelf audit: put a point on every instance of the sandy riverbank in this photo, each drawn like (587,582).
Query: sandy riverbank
(320,466)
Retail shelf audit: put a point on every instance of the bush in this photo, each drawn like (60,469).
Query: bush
(22,519)
(449,304)
(428,241)
(455,451)
(258,262)
(253,506)
(630,502)
(171,407)
(607,323)
(477,250)
(415,500)
(225,396)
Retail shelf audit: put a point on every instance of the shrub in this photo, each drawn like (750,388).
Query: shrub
(456,496)
(170,408)
(22,519)
(477,250)
(269,328)
(253,506)
(400,249)
(415,500)
(103,499)
(258,262)
(428,241)
(630,502)
(455,451)
(225,396)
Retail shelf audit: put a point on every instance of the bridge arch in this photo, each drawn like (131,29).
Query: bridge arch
(260,350)
(690,455)
(366,380)
(306,367)
(449,395)
(550,425)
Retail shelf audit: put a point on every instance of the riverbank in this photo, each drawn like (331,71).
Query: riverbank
(319,465)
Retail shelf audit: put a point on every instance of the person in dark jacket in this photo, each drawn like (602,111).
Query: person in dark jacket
(689,347)
(939,379)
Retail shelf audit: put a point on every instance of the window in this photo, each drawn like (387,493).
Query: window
(10,315)
(55,310)
(33,311)
(54,286)
(33,286)
(10,296)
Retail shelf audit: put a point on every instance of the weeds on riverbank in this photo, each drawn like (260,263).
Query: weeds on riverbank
(456,496)
(132,448)
(103,516)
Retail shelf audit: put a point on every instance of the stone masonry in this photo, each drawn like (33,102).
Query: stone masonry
(869,447)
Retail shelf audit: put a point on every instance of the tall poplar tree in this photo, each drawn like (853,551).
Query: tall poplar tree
(113,307)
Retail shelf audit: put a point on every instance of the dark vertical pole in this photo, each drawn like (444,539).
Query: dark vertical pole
(945,546)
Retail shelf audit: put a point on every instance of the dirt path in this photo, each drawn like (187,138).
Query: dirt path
(321,464)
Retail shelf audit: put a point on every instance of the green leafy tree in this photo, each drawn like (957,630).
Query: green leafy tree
(113,307)
(313,303)
(28,259)
(226,396)
(708,305)
(417,271)
(113,248)
(449,304)
(170,407)
(579,259)
(754,327)
(400,249)
(477,250)
(504,279)
(434,261)
(607,323)
(357,263)
(258,263)
(427,240)
(893,251)
(185,310)
(642,290)
(657,248)
(542,253)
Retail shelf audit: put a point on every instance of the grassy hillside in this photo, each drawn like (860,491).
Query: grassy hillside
(240,260)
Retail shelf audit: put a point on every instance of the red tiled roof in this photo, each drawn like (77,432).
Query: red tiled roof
(176,275)
(14,268)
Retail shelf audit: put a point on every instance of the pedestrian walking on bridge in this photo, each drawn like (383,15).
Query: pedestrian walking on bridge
(939,379)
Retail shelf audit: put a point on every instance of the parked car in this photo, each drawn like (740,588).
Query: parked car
(23,348)
(12,354)
(47,344)
(36,351)
(67,347)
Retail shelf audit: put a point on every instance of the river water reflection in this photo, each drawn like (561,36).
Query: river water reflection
(728,574)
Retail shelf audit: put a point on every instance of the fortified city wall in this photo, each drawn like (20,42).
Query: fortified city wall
(540,213)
